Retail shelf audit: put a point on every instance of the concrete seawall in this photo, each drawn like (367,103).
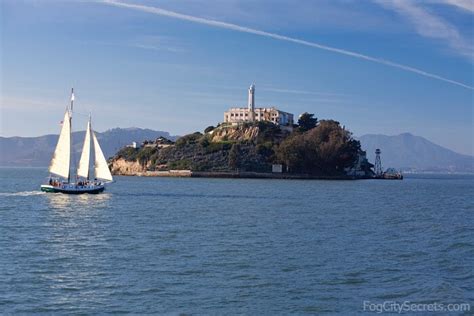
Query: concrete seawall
(170,173)
(248,175)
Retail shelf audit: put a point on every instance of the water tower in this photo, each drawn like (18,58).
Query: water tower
(378,163)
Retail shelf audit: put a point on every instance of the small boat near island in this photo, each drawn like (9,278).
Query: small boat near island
(60,179)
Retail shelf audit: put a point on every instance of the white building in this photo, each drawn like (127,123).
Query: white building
(133,145)
(252,114)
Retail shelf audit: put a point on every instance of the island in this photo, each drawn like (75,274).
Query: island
(252,142)
(310,149)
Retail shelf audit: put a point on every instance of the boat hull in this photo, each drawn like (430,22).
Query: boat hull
(73,189)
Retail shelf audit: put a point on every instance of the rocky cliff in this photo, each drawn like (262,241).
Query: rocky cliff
(121,166)
(224,148)
(234,133)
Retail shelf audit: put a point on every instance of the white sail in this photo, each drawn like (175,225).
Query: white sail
(83,170)
(62,154)
(101,168)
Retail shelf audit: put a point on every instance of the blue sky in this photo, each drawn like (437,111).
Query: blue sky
(178,65)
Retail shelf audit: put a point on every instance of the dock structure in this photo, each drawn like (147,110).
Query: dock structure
(390,174)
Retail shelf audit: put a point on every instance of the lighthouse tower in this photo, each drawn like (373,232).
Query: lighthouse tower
(251,104)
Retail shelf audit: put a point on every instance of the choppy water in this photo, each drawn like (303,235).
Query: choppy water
(228,246)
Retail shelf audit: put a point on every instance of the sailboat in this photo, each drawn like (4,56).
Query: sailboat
(61,180)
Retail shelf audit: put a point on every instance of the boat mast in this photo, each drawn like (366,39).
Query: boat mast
(70,132)
(72,98)
(90,132)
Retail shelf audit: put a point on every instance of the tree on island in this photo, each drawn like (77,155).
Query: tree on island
(324,150)
(209,129)
(306,122)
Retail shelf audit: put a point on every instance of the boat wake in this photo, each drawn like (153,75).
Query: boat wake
(24,193)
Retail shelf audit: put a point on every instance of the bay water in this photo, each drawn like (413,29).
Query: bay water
(235,246)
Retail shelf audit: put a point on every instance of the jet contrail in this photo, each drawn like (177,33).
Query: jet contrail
(235,27)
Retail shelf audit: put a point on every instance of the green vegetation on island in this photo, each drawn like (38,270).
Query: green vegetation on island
(322,148)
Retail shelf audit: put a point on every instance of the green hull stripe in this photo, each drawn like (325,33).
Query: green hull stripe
(66,191)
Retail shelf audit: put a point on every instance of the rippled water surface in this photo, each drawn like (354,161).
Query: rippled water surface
(215,246)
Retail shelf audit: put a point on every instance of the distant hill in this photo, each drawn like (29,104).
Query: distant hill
(37,151)
(414,153)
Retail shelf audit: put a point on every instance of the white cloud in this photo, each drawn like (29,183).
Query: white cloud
(467,5)
(429,25)
(238,28)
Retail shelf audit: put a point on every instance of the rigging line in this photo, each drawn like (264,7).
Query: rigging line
(82,114)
